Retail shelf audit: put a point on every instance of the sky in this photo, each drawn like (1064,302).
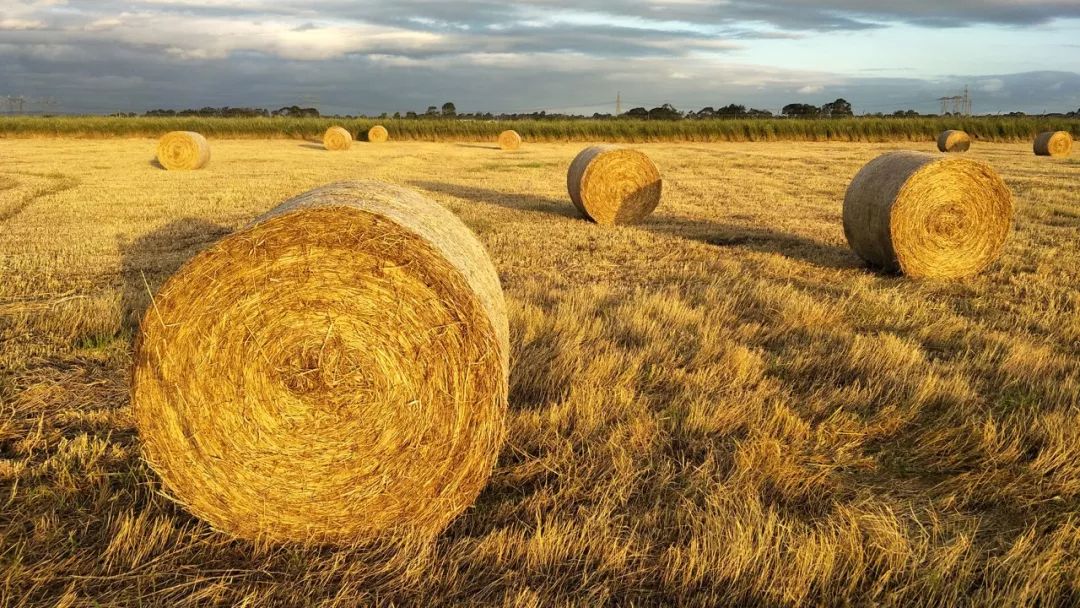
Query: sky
(369,56)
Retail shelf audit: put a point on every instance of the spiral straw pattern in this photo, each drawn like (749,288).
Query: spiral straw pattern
(337,372)
(183,151)
(1054,143)
(509,140)
(378,134)
(337,139)
(954,141)
(614,185)
(928,216)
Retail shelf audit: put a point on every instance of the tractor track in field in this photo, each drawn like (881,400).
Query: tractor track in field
(50,183)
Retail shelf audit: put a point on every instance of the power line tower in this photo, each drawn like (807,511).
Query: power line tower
(957,104)
(618,103)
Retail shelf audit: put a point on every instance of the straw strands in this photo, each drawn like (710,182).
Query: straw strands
(928,216)
(954,141)
(614,185)
(509,140)
(183,151)
(1054,143)
(378,134)
(337,139)
(336,372)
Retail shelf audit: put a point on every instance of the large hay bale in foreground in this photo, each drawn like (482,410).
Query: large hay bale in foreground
(509,140)
(183,151)
(337,139)
(1053,143)
(928,216)
(614,185)
(954,141)
(378,134)
(336,372)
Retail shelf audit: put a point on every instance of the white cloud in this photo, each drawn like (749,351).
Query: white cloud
(21,24)
(991,85)
(810,89)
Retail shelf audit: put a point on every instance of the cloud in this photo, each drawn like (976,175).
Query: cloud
(484,54)
(21,24)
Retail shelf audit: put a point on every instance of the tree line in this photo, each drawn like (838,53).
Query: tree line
(840,108)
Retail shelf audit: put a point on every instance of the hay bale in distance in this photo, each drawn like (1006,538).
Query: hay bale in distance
(928,216)
(337,139)
(183,151)
(954,141)
(614,185)
(1053,143)
(336,372)
(378,134)
(509,140)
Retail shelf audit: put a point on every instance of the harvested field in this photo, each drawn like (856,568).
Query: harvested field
(719,405)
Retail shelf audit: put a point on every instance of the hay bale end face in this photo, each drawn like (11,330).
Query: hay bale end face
(183,151)
(954,142)
(614,185)
(337,372)
(337,139)
(928,216)
(509,140)
(378,134)
(1054,143)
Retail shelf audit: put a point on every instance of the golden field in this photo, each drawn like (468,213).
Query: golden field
(719,406)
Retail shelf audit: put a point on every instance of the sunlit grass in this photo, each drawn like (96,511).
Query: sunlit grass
(719,407)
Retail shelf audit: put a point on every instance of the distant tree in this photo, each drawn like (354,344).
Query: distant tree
(756,113)
(801,110)
(637,113)
(905,113)
(665,112)
(706,112)
(732,111)
(410,114)
(397,115)
(449,110)
(432,111)
(837,109)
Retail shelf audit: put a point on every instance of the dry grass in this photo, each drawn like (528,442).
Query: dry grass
(719,405)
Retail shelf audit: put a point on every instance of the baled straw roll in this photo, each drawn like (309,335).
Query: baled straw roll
(928,216)
(336,372)
(378,134)
(509,140)
(614,185)
(1053,143)
(337,139)
(954,141)
(183,151)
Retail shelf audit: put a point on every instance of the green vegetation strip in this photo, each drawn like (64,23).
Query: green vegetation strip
(997,129)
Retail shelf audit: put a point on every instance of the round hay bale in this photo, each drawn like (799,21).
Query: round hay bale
(337,139)
(183,151)
(336,372)
(954,141)
(928,216)
(614,185)
(1053,143)
(509,140)
(378,134)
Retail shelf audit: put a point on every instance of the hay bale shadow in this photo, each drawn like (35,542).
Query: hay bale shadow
(311,146)
(157,165)
(152,258)
(763,240)
(478,146)
(509,200)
